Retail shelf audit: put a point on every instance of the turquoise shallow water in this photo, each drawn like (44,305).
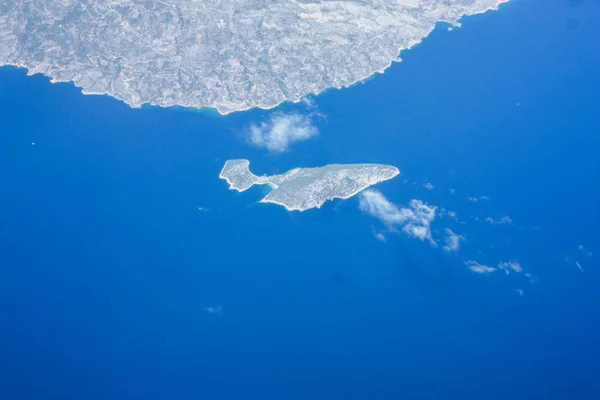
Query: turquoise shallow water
(106,262)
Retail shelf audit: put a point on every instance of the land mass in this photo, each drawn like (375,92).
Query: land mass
(304,188)
(229,55)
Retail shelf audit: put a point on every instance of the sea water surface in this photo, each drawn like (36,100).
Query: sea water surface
(116,234)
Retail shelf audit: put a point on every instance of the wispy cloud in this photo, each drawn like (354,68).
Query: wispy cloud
(509,266)
(584,251)
(282,130)
(218,310)
(418,220)
(505,220)
(381,237)
(451,214)
(506,266)
(377,205)
(428,186)
(414,220)
(574,263)
(452,241)
(476,199)
(479,268)
(445,213)
(309,103)
(532,279)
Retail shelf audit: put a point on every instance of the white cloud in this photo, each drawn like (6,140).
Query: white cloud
(479,268)
(509,266)
(506,220)
(309,102)
(506,266)
(521,292)
(532,279)
(419,218)
(282,130)
(218,310)
(585,251)
(452,241)
(377,205)
(445,213)
(574,263)
(428,186)
(381,237)
(476,199)
(414,220)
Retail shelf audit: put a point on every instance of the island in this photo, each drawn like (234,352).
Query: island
(229,55)
(301,189)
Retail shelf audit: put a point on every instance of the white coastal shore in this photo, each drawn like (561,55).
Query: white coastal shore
(95,74)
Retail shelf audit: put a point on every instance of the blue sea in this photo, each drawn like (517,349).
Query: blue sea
(108,264)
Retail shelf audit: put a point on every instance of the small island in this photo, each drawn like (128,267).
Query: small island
(304,188)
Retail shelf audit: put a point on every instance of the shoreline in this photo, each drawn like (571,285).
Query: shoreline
(233,187)
(265,199)
(221,112)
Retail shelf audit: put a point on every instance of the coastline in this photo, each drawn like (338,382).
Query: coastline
(266,200)
(224,112)
(233,187)
(318,206)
